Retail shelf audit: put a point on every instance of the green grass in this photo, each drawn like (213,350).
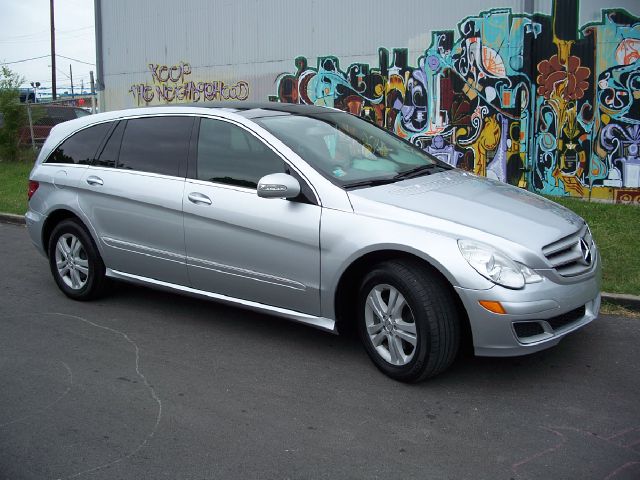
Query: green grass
(616,229)
(14,177)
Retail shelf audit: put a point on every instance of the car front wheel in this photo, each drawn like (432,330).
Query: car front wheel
(408,320)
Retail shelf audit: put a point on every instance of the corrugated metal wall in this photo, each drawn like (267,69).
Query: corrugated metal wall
(255,40)
(539,93)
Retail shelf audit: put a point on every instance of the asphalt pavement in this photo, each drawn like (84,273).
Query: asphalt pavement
(148,385)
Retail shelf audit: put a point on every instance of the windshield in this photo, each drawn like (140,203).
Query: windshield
(348,150)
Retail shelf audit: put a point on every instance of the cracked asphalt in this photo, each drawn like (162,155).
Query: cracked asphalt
(144,384)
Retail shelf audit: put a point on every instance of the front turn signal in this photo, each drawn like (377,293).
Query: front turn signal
(492,306)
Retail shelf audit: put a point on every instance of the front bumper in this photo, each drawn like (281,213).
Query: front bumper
(537,317)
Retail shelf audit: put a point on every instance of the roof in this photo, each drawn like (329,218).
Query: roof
(248,110)
(259,109)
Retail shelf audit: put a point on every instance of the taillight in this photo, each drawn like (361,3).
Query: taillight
(33,186)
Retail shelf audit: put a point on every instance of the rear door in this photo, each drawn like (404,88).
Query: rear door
(241,245)
(133,196)
(65,166)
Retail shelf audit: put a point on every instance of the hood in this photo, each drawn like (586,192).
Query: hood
(475,202)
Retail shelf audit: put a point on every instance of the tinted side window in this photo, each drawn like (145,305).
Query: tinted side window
(228,154)
(155,144)
(109,155)
(81,147)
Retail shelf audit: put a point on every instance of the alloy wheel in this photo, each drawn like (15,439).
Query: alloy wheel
(72,262)
(390,324)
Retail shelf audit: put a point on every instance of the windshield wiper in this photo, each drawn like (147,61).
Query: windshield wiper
(414,172)
(418,171)
(370,183)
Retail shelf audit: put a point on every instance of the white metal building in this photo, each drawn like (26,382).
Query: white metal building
(472,81)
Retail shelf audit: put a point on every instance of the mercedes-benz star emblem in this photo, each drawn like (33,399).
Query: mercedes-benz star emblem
(586,252)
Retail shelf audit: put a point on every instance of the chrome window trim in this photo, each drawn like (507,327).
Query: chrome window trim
(227,186)
(67,165)
(143,173)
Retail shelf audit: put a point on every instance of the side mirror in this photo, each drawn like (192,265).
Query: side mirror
(278,185)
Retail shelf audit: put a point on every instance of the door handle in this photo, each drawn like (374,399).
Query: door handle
(93,180)
(199,198)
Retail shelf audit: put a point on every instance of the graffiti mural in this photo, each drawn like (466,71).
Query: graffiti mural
(528,99)
(169,83)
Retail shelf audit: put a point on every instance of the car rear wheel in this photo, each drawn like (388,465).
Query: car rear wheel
(75,262)
(408,321)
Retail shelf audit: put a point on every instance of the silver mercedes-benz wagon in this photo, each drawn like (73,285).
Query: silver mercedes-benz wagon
(315,215)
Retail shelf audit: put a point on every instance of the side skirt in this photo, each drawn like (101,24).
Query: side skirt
(322,323)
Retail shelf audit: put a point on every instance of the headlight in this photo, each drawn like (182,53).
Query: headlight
(496,266)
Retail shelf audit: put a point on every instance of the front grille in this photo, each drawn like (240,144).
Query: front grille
(572,255)
(566,318)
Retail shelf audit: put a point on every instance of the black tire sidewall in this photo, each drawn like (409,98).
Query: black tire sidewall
(96,266)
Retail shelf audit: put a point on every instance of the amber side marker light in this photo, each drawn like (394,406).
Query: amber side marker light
(494,307)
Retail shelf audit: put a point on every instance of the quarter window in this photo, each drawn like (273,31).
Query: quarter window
(155,144)
(81,147)
(229,154)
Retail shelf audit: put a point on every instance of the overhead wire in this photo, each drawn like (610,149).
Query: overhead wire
(25,60)
(45,56)
(45,33)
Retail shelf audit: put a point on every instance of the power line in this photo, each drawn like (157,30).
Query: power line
(44,32)
(68,37)
(45,56)
(75,60)
(25,60)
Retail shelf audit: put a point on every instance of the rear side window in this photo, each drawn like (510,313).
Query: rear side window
(228,154)
(81,147)
(109,155)
(156,144)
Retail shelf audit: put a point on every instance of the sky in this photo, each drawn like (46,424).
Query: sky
(25,33)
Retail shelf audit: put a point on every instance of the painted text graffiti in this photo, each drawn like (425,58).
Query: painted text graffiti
(170,83)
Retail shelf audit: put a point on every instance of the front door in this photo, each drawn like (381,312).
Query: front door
(241,245)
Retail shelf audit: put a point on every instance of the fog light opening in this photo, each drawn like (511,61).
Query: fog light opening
(492,306)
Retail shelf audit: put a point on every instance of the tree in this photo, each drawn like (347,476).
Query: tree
(12,112)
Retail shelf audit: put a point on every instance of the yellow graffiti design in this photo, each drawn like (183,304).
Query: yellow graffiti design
(487,141)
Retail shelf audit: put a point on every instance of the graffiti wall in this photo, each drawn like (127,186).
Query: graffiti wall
(172,84)
(530,99)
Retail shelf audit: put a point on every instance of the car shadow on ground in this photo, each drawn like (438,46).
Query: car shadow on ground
(219,318)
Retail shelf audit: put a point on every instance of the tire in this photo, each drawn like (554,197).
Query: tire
(75,263)
(421,337)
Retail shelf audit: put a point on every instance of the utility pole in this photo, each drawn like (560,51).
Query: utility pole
(71,77)
(53,52)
